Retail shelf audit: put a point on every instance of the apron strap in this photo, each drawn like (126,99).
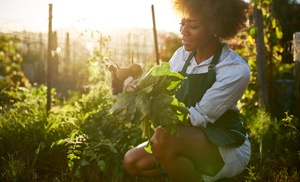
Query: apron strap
(211,66)
(211,74)
(217,54)
(187,63)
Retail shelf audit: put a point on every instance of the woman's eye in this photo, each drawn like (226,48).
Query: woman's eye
(182,24)
(194,27)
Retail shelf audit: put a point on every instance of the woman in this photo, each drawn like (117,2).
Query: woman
(215,146)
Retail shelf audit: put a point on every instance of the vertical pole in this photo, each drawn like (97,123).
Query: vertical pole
(41,62)
(155,35)
(296,44)
(49,67)
(100,44)
(74,60)
(271,86)
(67,55)
(263,98)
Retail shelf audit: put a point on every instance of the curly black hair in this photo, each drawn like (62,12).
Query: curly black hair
(224,18)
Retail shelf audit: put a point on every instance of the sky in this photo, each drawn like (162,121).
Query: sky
(101,15)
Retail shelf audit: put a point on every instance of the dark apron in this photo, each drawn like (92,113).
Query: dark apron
(228,130)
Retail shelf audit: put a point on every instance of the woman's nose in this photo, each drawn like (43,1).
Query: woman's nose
(183,30)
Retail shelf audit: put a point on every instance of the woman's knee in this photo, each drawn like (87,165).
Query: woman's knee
(130,163)
(136,161)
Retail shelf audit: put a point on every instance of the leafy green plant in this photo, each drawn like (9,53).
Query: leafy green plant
(26,133)
(286,176)
(153,103)
(13,169)
(252,174)
(96,142)
(24,123)
(259,126)
(277,144)
(11,75)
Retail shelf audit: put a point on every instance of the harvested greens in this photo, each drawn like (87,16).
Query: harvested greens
(153,103)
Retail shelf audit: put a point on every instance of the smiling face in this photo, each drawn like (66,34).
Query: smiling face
(195,33)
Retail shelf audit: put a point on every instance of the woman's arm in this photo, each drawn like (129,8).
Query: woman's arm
(232,78)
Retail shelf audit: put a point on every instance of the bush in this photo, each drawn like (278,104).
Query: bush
(275,148)
(26,136)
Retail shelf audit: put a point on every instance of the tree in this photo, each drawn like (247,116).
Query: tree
(268,50)
(261,60)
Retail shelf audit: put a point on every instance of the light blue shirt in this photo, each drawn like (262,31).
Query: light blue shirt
(232,78)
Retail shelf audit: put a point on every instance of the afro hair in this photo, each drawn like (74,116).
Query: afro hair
(224,18)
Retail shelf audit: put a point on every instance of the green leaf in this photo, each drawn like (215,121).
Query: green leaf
(124,108)
(142,103)
(162,80)
(146,87)
(253,31)
(148,81)
(84,163)
(122,101)
(176,80)
(161,70)
(77,173)
(146,128)
(162,100)
(101,165)
(70,165)
(161,113)
(148,147)
(179,107)
(168,120)
(279,33)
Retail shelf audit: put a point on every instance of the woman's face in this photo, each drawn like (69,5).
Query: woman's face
(195,34)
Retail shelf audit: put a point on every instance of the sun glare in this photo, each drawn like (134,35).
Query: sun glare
(103,15)
(108,15)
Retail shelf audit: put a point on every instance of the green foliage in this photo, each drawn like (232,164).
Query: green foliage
(244,45)
(11,75)
(96,142)
(153,103)
(274,143)
(259,125)
(286,11)
(276,69)
(79,140)
(286,175)
(13,169)
(26,134)
(24,122)
(10,62)
(252,174)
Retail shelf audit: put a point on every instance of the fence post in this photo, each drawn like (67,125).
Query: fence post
(49,61)
(155,35)
(296,44)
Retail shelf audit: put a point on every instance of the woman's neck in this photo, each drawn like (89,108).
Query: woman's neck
(206,52)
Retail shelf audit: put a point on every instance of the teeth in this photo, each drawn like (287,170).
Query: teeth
(184,42)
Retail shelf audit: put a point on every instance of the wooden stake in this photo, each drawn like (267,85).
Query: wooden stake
(296,44)
(49,67)
(155,35)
